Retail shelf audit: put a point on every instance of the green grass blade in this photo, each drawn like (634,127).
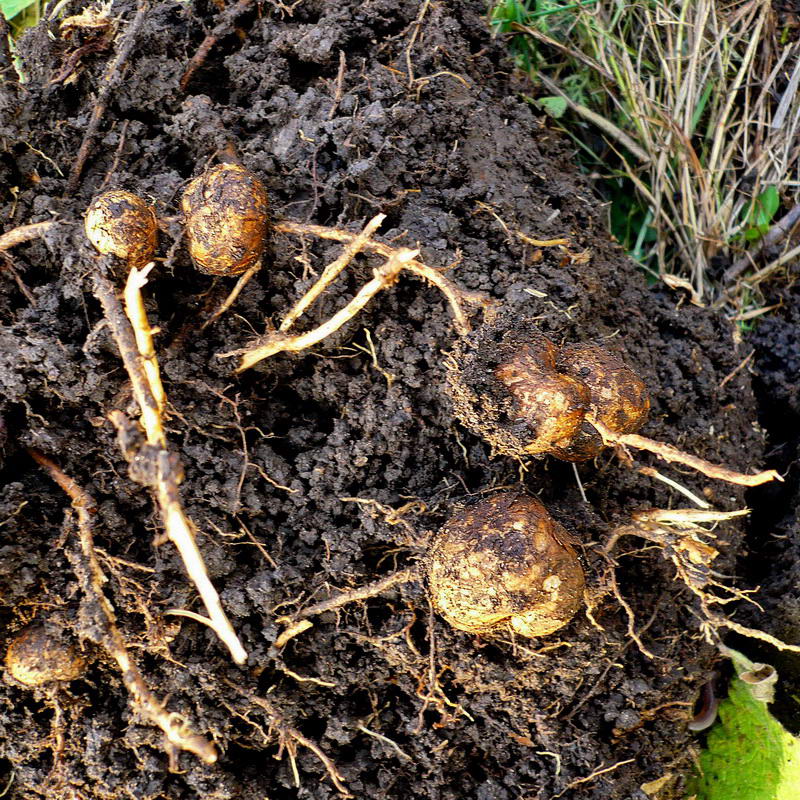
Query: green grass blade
(10,8)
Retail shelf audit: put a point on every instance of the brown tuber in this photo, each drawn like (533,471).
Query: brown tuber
(121,223)
(513,386)
(617,396)
(505,562)
(43,654)
(227,220)
(556,404)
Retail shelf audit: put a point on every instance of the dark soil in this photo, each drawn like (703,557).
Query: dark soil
(426,126)
(771,558)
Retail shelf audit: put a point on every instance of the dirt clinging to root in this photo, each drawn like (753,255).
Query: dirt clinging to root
(296,469)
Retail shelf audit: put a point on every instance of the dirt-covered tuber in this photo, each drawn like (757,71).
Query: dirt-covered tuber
(617,396)
(513,386)
(227,220)
(121,223)
(505,562)
(42,654)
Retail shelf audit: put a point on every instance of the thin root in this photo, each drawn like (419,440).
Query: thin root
(298,622)
(669,453)
(234,293)
(163,472)
(178,733)
(24,233)
(278,342)
(457,297)
(289,737)
(681,538)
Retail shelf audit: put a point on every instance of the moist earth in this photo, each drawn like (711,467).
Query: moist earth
(771,556)
(325,470)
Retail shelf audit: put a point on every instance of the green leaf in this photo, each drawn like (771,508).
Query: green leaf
(761,212)
(10,8)
(749,755)
(554,106)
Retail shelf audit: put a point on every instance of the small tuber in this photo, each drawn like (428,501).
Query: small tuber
(227,220)
(502,562)
(552,403)
(42,654)
(121,223)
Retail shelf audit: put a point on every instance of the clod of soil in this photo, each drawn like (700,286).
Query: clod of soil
(771,557)
(323,471)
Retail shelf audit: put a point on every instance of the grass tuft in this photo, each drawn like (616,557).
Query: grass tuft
(694,109)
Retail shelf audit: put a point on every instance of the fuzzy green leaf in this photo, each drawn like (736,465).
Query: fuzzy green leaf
(749,755)
(554,106)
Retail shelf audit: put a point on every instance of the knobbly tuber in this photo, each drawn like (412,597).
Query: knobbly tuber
(513,386)
(227,220)
(121,223)
(505,562)
(42,654)
(617,396)
(556,404)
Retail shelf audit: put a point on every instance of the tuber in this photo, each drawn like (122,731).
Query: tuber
(227,220)
(513,386)
(505,562)
(617,396)
(42,654)
(121,223)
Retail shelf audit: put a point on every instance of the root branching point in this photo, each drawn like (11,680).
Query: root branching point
(297,623)
(278,342)
(397,260)
(290,738)
(332,271)
(456,296)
